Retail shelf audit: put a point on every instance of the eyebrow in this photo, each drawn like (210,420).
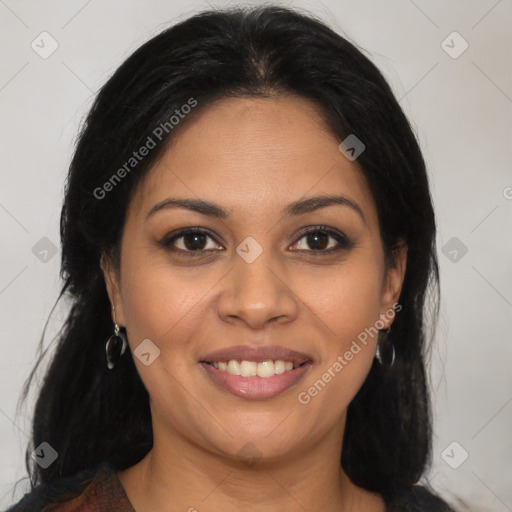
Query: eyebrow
(299,207)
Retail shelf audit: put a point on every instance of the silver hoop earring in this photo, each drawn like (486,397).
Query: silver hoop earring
(385,353)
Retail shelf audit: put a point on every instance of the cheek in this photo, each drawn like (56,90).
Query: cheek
(349,306)
(167,306)
(349,301)
(161,302)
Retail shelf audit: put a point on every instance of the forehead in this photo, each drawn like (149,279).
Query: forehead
(254,155)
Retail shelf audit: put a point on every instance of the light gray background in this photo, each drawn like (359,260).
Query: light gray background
(460,108)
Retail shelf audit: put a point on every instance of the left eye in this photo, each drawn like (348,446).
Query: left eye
(318,239)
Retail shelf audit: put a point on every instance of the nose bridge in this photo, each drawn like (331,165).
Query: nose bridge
(256,292)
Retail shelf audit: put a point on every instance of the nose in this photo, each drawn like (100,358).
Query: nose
(257,294)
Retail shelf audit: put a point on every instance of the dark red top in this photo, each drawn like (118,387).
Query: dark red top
(99,491)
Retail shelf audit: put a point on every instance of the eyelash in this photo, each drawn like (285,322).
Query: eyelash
(343,242)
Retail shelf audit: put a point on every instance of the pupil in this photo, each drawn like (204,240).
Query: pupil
(314,239)
(196,244)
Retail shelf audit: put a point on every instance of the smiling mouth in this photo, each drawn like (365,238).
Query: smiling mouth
(262,369)
(253,380)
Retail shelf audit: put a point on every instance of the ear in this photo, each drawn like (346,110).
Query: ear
(393,281)
(113,282)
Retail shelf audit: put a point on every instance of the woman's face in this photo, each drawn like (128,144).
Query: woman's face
(253,279)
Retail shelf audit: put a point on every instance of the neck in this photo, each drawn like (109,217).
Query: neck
(177,475)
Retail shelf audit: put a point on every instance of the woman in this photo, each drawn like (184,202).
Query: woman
(248,240)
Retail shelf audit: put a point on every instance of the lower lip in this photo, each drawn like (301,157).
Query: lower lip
(256,388)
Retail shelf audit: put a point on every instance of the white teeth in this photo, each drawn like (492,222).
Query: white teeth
(245,368)
(248,369)
(265,369)
(279,367)
(234,367)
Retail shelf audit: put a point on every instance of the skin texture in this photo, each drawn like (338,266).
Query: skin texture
(252,156)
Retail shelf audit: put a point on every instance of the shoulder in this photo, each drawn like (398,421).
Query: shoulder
(51,493)
(418,499)
(97,489)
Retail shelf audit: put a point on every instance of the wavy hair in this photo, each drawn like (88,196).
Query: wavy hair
(89,414)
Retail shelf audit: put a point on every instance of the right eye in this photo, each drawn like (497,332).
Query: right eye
(193,242)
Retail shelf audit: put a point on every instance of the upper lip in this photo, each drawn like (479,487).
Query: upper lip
(256,353)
